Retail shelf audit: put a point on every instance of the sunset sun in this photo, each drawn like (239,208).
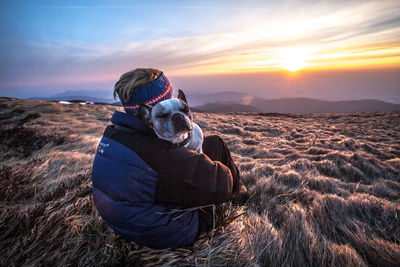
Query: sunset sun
(294,59)
(294,64)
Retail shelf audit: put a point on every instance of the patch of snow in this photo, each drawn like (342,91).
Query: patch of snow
(65,102)
(87,102)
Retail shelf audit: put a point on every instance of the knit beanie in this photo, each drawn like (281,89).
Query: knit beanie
(150,94)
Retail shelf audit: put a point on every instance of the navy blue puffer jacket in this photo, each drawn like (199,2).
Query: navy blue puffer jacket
(139,180)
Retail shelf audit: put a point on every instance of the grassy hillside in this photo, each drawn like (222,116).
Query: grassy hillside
(324,191)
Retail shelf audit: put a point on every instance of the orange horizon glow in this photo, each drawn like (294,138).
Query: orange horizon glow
(378,64)
(297,59)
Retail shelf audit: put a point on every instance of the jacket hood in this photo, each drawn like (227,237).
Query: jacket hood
(134,123)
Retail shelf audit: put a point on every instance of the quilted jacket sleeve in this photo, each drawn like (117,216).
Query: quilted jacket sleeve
(192,179)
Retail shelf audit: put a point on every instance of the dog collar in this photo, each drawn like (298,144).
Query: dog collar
(184,142)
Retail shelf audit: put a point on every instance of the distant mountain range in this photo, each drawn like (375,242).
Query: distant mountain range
(106,94)
(222,107)
(242,102)
(301,106)
(199,99)
(91,96)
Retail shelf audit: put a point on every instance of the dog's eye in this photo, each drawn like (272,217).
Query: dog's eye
(185,109)
(163,115)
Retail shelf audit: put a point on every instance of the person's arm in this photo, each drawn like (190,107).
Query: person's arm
(185,177)
(192,179)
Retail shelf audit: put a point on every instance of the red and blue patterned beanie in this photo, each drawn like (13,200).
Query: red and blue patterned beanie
(150,94)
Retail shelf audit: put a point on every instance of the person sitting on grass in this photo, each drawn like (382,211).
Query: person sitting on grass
(144,187)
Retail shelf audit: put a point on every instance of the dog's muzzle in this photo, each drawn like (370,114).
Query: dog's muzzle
(181,123)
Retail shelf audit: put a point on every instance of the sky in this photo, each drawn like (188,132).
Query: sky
(322,49)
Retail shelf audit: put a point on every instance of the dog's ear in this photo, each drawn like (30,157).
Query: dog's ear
(182,96)
(145,112)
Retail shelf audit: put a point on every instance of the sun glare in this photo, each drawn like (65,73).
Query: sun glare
(294,59)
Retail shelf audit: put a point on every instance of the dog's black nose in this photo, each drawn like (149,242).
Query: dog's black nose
(180,122)
(178,117)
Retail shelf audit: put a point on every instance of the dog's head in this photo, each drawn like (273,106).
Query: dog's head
(171,118)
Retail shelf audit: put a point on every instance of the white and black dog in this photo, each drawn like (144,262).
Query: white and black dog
(172,121)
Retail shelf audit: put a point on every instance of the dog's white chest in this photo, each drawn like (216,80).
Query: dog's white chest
(196,139)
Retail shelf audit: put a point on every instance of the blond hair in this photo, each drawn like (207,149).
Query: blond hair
(133,79)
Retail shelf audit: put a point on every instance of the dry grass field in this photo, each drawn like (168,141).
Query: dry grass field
(324,191)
